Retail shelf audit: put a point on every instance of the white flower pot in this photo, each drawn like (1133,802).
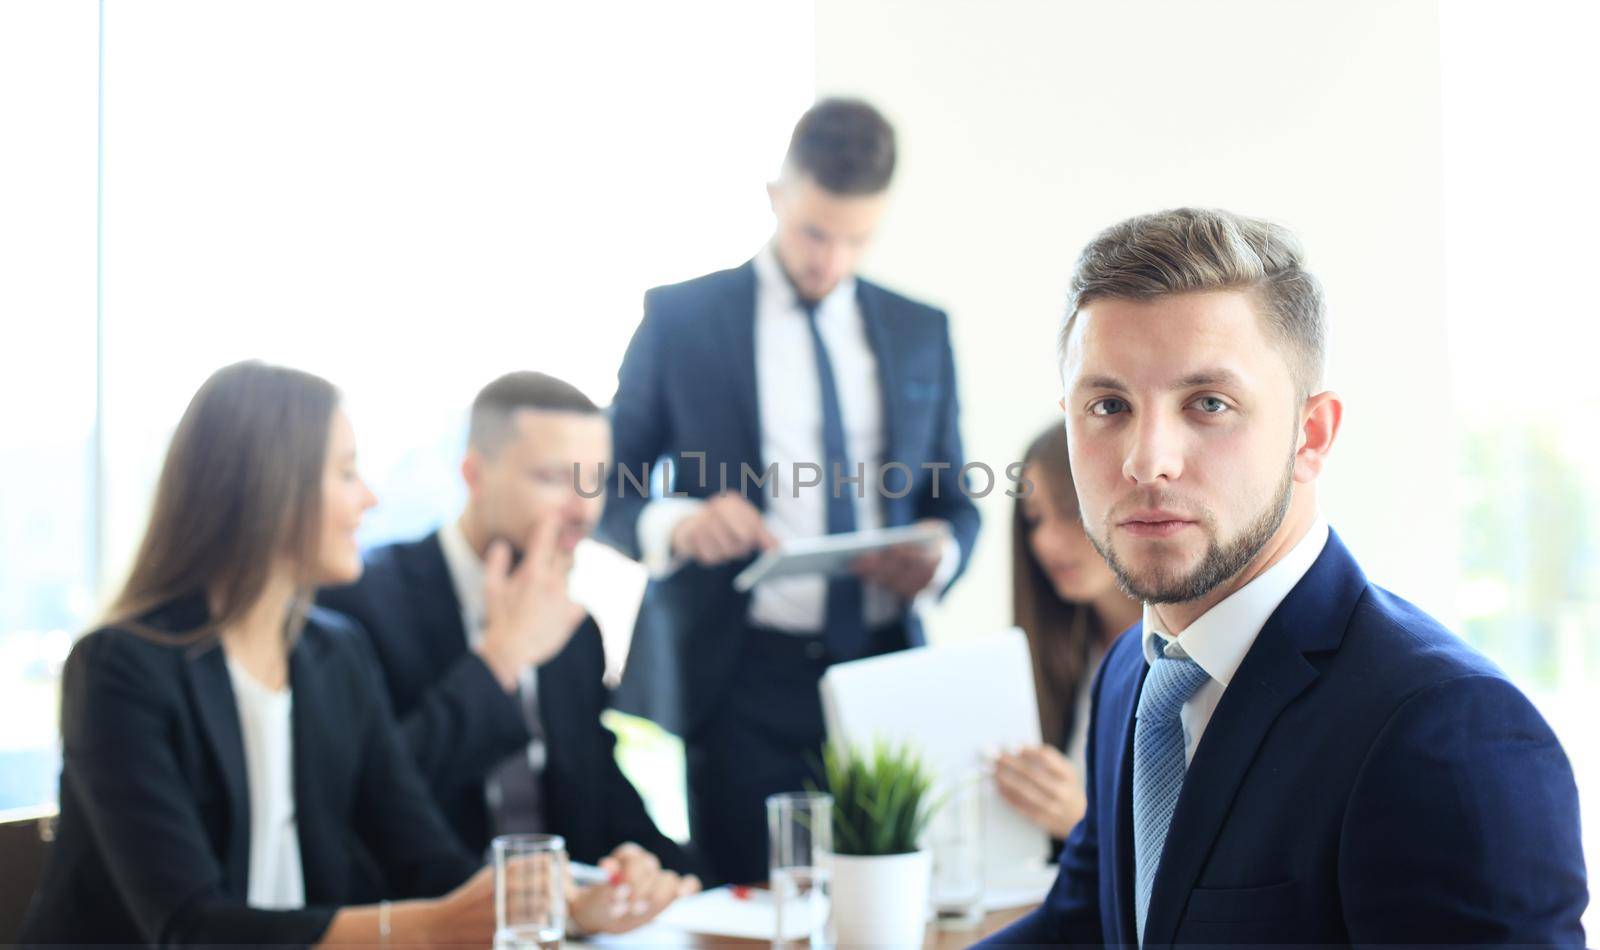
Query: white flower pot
(881,900)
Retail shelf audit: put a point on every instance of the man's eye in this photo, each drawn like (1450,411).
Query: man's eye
(1211,405)
(1106,407)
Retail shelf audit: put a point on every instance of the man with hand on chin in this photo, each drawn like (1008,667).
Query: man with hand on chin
(495,674)
(1281,752)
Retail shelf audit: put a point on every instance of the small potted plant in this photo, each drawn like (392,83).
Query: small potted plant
(882,801)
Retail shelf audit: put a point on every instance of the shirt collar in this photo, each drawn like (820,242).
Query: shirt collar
(1219,639)
(466,575)
(775,284)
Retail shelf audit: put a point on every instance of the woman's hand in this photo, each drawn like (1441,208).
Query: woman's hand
(463,917)
(1039,782)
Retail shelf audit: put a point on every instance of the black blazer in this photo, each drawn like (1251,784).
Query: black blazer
(153,841)
(459,723)
(688,385)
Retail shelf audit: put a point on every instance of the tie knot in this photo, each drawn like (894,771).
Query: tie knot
(1169,684)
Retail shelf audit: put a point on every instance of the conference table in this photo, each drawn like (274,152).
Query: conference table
(935,938)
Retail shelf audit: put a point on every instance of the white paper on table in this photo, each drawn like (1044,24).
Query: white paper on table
(1021,887)
(714,913)
(955,702)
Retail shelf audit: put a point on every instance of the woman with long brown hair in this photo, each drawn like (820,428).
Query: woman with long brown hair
(1067,602)
(230,771)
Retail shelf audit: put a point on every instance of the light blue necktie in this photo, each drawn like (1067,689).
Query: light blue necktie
(1158,764)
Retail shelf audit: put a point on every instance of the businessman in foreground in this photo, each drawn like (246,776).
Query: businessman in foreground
(1281,752)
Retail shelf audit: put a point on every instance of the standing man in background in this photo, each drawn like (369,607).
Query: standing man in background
(775,369)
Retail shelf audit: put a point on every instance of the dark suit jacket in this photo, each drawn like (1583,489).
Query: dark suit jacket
(153,841)
(459,723)
(1367,778)
(688,384)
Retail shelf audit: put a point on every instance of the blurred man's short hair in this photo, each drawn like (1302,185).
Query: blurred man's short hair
(494,410)
(844,145)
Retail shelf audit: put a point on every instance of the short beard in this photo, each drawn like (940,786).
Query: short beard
(1220,564)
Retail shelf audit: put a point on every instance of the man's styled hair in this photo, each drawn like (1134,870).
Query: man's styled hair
(494,410)
(1198,249)
(844,145)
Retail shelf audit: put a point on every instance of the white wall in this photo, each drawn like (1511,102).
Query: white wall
(1028,125)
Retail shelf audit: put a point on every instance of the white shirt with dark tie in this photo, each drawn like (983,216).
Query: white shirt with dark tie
(466,576)
(789,402)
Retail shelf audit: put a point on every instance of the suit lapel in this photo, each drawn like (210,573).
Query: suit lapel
(219,719)
(876,322)
(435,610)
(1124,704)
(736,330)
(566,779)
(322,760)
(1275,671)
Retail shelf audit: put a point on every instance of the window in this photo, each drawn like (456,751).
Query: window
(48,546)
(406,198)
(1521,245)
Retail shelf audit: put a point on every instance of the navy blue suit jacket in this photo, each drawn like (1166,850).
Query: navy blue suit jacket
(459,723)
(688,384)
(1367,778)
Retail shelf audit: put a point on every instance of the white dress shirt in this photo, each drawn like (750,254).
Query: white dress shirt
(466,576)
(1076,745)
(789,400)
(277,881)
(1219,638)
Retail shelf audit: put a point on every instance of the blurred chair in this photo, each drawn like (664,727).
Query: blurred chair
(25,836)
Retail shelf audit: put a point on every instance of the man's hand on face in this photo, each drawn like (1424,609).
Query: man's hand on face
(530,615)
(727,527)
(639,889)
(905,569)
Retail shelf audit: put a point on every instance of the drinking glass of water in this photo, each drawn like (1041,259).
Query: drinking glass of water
(530,898)
(800,829)
(955,835)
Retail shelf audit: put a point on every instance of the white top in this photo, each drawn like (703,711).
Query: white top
(1219,639)
(466,576)
(789,401)
(1076,746)
(266,723)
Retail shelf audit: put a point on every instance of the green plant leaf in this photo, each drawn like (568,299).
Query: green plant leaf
(882,798)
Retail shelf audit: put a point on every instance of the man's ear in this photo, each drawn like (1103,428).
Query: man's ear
(472,471)
(1319,426)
